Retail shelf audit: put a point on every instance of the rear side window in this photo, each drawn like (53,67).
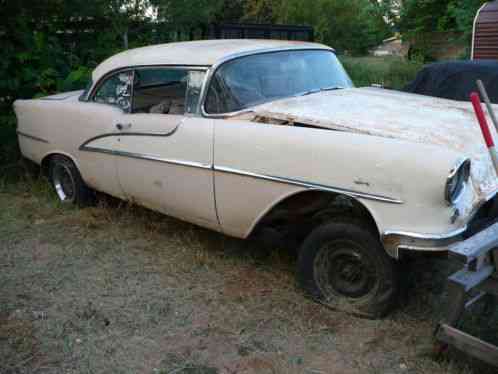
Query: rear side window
(116,91)
(167,90)
(157,77)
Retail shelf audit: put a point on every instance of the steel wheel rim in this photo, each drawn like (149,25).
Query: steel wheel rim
(64,183)
(342,270)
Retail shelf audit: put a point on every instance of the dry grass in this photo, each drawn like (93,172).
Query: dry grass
(119,289)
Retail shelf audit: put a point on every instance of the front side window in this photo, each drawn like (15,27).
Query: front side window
(116,91)
(256,79)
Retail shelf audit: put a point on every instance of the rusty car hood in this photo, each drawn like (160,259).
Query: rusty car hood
(392,114)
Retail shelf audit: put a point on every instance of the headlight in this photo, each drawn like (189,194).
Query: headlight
(456,181)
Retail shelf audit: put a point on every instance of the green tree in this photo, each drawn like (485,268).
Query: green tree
(419,19)
(424,16)
(463,12)
(353,26)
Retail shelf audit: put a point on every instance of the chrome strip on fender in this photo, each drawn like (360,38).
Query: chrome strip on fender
(309,185)
(32,137)
(148,157)
(223,169)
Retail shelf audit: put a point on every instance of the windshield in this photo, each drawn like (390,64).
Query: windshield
(256,79)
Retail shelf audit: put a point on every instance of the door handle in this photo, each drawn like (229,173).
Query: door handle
(125,126)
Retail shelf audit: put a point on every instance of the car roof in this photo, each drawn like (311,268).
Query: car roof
(197,53)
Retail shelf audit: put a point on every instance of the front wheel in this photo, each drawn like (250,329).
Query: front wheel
(67,181)
(344,266)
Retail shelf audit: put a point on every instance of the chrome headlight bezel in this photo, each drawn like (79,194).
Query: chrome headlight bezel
(456,181)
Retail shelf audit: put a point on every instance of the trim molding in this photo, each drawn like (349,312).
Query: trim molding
(224,169)
(148,157)
(85,147)
(312,186)
(32,137)
(474,27)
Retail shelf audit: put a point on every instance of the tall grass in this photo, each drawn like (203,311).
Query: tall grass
(391,72)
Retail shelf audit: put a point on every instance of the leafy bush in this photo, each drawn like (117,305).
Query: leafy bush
(9,150)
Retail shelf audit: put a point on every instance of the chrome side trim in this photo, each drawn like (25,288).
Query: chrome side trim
(149,157)
(32,137)
(312,186)
(84,146)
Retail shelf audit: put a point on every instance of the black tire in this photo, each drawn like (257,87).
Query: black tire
(67,182)
(344,266)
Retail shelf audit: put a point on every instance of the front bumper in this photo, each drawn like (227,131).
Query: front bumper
(394,243)
(482,218)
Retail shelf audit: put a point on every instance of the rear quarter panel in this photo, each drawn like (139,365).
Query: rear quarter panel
(65,124)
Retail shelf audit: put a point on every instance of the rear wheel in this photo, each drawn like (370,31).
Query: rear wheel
(344,266)
(67,181)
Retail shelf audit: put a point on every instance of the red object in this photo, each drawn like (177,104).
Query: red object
(476,101)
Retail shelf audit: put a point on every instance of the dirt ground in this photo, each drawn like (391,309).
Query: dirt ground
(119,289)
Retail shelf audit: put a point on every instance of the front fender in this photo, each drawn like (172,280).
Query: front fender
(399,182)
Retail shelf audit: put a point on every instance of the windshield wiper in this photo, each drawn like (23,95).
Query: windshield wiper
(310,92)
(317,90)
(332,88)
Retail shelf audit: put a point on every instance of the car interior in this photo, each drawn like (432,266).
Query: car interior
(160,91)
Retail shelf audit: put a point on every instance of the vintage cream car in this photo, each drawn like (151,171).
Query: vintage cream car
(270,139)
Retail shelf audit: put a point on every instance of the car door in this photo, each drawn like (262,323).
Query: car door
(97,135)
(166,149)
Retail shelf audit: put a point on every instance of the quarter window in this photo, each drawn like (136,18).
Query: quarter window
(116,91)
(195,83)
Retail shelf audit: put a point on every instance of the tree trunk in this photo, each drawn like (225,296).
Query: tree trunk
(125,39)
